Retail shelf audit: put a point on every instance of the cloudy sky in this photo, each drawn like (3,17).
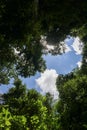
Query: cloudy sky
(59,64)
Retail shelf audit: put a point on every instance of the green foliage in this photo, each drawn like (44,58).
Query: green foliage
(19,122)
(14,98)
(5,118)
(23,22)
(35,110)
(9,122)
(73,103)
(30,110)
(20,31)
(26,106)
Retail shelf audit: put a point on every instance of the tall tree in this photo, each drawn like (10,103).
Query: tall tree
(27,103)
(15,96)
(23,22)
(72,104)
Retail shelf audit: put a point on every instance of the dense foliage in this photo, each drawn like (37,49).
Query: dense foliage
(72,104)
(26,109)
(22,22)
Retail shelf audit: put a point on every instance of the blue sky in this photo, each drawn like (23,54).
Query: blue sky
(59,64)
(64,63)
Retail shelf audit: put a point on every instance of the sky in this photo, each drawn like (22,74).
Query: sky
(59,64)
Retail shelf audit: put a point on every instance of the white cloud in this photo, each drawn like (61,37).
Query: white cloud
(79,64)
(77,46)
(47,82)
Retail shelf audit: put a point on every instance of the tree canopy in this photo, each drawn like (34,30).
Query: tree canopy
(72,104)
(23,22)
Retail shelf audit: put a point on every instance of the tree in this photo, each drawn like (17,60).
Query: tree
(23,22)
(5,118)
(27,103)
(72,104)
(20,48)
(9,122)
(19,122)
(15,97)
(48,103)
(35,110)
